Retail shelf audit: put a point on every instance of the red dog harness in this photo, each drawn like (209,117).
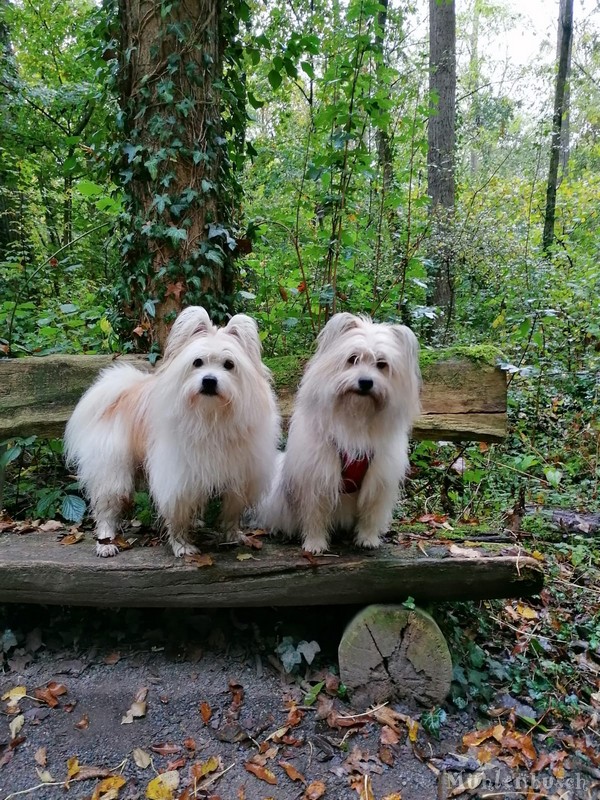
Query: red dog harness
(353,472)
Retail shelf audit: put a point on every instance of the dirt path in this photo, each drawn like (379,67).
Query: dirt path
(217,705)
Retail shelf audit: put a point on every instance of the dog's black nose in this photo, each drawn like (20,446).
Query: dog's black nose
(365,385)
(209,385)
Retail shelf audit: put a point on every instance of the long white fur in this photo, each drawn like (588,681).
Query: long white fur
(189,445)
(331,418)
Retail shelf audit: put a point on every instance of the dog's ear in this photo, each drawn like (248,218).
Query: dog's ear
(191,322)
(245,329)
(337,326)
(409,345)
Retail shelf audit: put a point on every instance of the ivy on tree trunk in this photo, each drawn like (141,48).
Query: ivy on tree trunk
(179,109)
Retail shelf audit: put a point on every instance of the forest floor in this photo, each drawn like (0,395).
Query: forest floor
(127,704)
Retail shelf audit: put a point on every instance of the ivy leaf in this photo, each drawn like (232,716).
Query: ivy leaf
(131,151)
(176,234)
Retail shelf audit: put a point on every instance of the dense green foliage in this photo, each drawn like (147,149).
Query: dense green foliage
(333,206)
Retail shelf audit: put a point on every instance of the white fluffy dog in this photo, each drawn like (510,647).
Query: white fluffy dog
(204,423)
(347,449)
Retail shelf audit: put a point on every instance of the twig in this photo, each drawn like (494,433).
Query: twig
(32,789)
(364,714)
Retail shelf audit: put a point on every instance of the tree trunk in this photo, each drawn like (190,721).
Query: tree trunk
(9,223)
(565,132)
(565,30)
(441,146)
(175,160)
(473,86)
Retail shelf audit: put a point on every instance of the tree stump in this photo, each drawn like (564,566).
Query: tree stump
(389,652)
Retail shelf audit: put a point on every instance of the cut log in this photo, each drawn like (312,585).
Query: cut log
(461,399)
(389,652)
(36,568)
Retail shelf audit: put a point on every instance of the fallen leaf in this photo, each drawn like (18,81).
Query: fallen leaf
(463,552)
(112,659)
(72,767)
(477,737)
(413,729)
(50,693)
(292,772)
(363,787)
(141,758)
(91,773)
(72,538)
(44,775)
(16,725)
(199,560)
(201,770)
(394,796)
(165,749)
(315,791)
(108,789)
(262,773)
(189,744)
(386,755)
(51,525)
(138,708)
(14,694)
(389,735)
(178,763)
(526,611)
(163,786)
(251,541)
(468,783)
(40,756)
(205,712)
(246,557)
(83,723)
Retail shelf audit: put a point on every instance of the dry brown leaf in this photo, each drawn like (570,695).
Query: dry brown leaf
(189,744)
(86,773)
(386,755)
(246,557)
(314,791)
(41,757)
(513,740)
(393,796)
(138,708)
(49,693)
(205,712)
(260,772)
(199,560)
(44,775)
(51,525)
(477,737)
(526,611)
(165,749)
(72,767)
(389,735)
(468,783)
(362,786)
(112,659)
(72,538)
(292,772)
(83,724)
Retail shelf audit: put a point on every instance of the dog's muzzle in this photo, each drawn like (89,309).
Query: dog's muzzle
(209,385)
(364,385)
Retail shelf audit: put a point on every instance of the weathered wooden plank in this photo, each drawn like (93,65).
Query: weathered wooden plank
(461,399)
(35,568)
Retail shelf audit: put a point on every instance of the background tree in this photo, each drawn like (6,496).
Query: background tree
(565,30)
(441,151)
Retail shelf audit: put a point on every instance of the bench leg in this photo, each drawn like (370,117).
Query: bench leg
(389,652)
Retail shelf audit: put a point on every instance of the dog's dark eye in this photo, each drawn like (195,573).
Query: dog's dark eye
(353,359)
(198,362)
(228,364)
(381,364)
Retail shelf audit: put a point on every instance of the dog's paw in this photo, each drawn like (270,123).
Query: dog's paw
(106,549)
(314,545)
(369,540)
(181,549)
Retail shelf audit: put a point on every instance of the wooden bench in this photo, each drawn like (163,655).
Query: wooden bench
(388,650)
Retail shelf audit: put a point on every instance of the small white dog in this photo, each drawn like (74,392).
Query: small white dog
(347,449)
(204,423)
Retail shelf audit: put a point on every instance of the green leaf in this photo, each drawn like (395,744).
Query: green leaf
(311,696)
(308,68)
(89,188)
(72,508)
(274,79)
(9,455)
